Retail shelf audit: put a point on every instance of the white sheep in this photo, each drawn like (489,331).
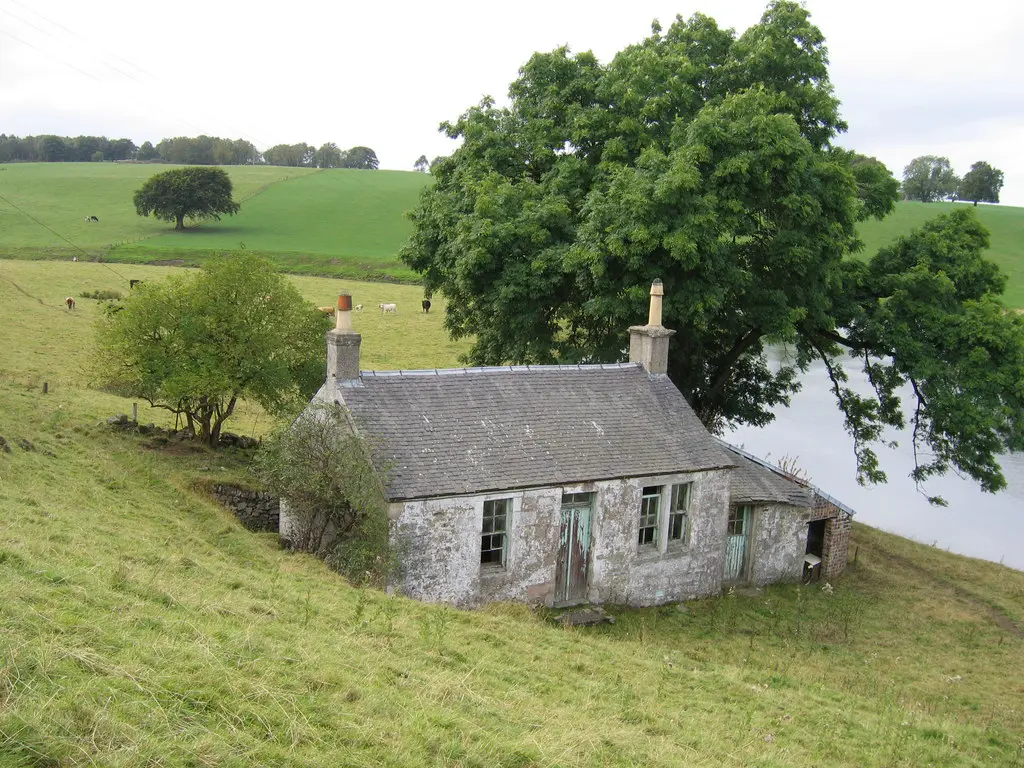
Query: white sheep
(385,308)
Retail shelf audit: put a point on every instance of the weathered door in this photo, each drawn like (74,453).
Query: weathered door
(572,564)
(736,542)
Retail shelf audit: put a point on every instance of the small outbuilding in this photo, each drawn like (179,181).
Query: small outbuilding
(564,484)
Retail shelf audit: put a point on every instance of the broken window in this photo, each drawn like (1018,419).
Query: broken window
(738,517)
(494,539)
(650,505)
(679,513)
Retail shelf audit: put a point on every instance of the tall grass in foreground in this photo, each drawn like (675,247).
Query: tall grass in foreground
(140,624)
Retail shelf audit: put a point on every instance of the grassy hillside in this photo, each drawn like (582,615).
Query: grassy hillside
(338,222)
(141,625)
(62,195)
(1006,225)
(312,224)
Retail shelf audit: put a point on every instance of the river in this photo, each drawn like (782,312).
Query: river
(811,432)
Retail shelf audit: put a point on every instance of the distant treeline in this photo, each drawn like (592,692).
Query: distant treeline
(199,150)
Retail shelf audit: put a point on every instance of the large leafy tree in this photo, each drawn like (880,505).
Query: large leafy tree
(981,184)
(929,178)
(196,344)
(706,159)
(196,193)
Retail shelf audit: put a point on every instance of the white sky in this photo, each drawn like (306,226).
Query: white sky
(943,78)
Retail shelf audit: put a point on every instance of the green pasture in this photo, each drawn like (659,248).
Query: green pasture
(63,195)
(333,221)
(1005,225)
(142,625)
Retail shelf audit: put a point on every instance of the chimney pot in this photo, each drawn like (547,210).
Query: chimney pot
(343,345)
(648,344)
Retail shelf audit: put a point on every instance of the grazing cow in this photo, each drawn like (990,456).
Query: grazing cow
(359,307)
(70,302)
(74,258)
(386,308)
(426,305)
(133,283)
(327,310)
(91,218)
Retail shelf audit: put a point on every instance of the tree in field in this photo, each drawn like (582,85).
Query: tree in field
(147,152)
(929,178)
(359,157)
(293,155)
(981,184)
(195,345)
(328,156)
(706,159)
(421,165)
(196,193)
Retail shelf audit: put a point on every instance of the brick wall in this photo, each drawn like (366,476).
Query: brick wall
(836,545)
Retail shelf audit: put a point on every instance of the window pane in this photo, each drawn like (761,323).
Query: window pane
(494,529)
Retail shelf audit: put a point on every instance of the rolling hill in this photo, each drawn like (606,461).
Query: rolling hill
(142,625)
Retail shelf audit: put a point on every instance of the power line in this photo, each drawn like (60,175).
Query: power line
(145,86)
(76,35)
(51,230)
(46,53)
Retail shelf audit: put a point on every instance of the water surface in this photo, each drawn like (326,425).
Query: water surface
(811,432)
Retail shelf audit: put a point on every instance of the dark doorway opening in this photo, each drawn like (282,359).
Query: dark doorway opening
(815,538)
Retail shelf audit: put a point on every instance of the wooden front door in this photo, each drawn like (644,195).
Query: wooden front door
(737,540)
(572,566)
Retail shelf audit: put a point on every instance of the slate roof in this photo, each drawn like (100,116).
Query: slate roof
(473,430)
(756,480)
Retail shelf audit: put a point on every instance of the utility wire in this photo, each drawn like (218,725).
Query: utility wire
(46,53)
(129,76)
(74,34)
(58,234)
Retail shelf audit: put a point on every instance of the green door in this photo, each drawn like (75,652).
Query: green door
(572,564)
(736,542)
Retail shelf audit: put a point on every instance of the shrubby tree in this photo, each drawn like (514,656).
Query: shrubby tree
(294,155)
(421,164)
(335,500)
(706,159)
(196,344)
(196,193)
(929,178)
(328,156)
(981,184)
(147,152)
(359,157)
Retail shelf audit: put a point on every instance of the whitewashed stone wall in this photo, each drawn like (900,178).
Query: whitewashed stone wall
(438,543)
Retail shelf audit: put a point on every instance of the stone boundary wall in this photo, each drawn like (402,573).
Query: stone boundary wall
(257,511)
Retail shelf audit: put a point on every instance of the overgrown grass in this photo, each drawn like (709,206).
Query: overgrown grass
(1005,223)
(142,625)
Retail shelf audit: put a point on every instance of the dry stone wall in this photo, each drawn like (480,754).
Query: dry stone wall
(257,511)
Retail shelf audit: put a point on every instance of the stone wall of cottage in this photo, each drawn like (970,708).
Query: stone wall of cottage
(778,543)
(438,544)
(257,511)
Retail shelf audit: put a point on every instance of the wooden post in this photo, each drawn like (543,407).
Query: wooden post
(135,412)
(46,387)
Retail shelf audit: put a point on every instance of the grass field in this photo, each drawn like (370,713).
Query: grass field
(62,195)
(1005,225)
(141,625)
(339,222)
(313,224)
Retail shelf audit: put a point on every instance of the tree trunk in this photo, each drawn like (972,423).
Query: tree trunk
(180,221)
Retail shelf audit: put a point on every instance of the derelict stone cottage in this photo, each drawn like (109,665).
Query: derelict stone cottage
(562,484)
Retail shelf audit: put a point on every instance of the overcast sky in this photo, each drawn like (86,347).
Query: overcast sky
(914,78)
